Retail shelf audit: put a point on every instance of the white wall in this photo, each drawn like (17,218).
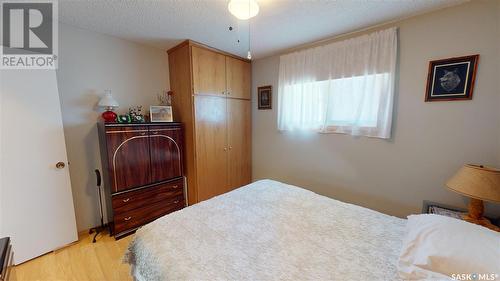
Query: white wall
(430,140)
(89,63)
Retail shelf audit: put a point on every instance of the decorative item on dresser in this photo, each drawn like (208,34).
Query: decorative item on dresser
(143,172)
(212,97)
(6,258)
(163,111)
(109,103)
(135,114)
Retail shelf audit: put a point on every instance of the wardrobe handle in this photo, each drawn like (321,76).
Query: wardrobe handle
(176,201)
(225,148)
(127,218)
(228,92)
(230,147)
(126,200)
(223,92)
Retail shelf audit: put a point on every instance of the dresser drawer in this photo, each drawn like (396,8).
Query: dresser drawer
(140,216)
(146,196)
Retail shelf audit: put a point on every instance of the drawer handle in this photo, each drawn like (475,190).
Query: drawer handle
(126,200)
(175,186)
(143,134)
(155,132)
(127,218)
(176,201)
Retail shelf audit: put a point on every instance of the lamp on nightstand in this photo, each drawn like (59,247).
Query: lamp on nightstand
(479,183)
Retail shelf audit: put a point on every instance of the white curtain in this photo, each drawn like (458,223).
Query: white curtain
(343,87)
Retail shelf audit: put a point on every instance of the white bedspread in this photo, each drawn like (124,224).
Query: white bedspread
(269,231)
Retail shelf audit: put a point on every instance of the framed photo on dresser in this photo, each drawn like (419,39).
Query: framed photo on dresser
(161,113)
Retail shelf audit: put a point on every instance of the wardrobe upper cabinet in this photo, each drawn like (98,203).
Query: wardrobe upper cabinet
(209,72)
(128,157)
(238,76)
(165,146)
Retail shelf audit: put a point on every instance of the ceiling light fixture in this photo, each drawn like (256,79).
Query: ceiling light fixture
(243,9)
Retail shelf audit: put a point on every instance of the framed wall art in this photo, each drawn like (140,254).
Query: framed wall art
(265,97)
(451,79)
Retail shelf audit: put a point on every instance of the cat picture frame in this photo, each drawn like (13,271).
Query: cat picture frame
(451,79)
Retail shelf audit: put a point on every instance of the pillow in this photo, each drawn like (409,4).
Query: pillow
(442,248)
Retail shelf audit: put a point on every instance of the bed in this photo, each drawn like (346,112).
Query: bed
(268,230)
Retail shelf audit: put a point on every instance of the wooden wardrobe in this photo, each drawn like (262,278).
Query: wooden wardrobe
(212,97)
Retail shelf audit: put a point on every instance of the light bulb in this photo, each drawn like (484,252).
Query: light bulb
(243,9)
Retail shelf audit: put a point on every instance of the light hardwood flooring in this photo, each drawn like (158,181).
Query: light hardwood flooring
(81,261)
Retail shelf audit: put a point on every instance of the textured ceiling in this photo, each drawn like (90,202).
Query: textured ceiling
(280,24)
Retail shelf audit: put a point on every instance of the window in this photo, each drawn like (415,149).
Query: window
(344,87)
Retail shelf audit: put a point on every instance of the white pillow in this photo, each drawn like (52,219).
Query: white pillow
(442,248)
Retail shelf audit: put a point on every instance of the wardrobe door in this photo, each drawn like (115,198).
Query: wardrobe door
(238,76)
(211,146)
(166,152)
(128,157)
(209,72)
(239,143)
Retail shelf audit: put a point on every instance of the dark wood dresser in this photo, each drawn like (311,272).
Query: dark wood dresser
(143,172)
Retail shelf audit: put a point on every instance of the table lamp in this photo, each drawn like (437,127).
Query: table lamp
(479,183)
(109,103)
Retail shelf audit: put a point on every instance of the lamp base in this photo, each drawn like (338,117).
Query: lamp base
(109,116)
(475,215)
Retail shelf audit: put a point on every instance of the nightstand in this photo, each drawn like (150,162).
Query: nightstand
(430,207)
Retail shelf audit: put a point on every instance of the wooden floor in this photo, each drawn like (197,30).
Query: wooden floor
(82,261)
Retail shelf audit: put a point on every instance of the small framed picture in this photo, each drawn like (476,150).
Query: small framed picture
(451,79)
(161,113)
(265,97)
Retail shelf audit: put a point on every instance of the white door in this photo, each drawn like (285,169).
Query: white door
(37,202)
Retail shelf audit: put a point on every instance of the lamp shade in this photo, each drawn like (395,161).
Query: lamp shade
(243,9)
(108,101)
(479,182)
